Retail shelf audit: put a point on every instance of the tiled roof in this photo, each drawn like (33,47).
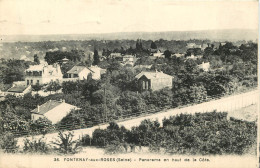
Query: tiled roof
(49,105)
(153,75)
(35,68)
(17,88)
(76,69)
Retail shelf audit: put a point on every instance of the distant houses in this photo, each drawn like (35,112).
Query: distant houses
(53,110)
(43,74)
(153,81)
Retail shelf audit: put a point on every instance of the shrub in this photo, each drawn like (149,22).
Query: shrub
(86,140)
(65,143)
(8,143)
(115,147)
(35,146)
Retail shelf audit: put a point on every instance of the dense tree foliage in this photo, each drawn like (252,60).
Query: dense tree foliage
(202,133)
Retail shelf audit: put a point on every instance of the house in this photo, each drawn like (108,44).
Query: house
(81,72)
(42,74)
(192,56)
(53,110)
(18,90)
(115,55)
(96,72)
(193,45)
(204,66)
(156,53)
(153,80)
(129,59)
(177,55)
(143,66)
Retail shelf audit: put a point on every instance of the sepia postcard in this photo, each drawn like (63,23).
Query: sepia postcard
(120,83)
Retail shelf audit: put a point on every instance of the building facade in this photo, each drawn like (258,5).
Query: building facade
(53,110)
(43,74)
(153,81)
(82,72)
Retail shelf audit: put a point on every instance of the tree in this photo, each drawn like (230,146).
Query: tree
(153,45)
(37,87)
(36,59)
(65,143)
(8,143)
(167,54)
(139,45)
(53,86)
(42,126)
(96,58)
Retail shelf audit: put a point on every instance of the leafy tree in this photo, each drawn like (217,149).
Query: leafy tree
(153,45)
(37,87)
(42,126)
(53,86)
(167,54)
(8,143)
(36,59)
(96,58)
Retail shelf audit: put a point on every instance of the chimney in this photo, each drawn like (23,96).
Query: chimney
(38,108)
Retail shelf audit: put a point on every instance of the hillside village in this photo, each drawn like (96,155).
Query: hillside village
(127,70)
(68,90)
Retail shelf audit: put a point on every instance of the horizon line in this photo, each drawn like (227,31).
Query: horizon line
(256,29)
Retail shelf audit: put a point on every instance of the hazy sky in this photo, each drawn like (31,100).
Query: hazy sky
(103,16)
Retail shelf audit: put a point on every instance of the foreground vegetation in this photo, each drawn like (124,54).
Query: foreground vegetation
(203,133)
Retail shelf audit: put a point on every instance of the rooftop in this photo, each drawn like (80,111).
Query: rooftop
(17,88)
(153,75)
(77,69)
(49,105)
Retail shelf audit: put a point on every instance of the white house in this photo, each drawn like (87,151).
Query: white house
(128,59)
(53,110)
(81,72)
(96,72)
(42,74)
(158,54)
(192,56)
(204,66)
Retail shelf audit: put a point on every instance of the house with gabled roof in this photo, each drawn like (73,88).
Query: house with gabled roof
(153,80)
(81,72)
(53,110)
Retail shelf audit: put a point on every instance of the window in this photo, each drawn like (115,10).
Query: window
(38,82)
(143,84)
(31,82)
(28,82)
